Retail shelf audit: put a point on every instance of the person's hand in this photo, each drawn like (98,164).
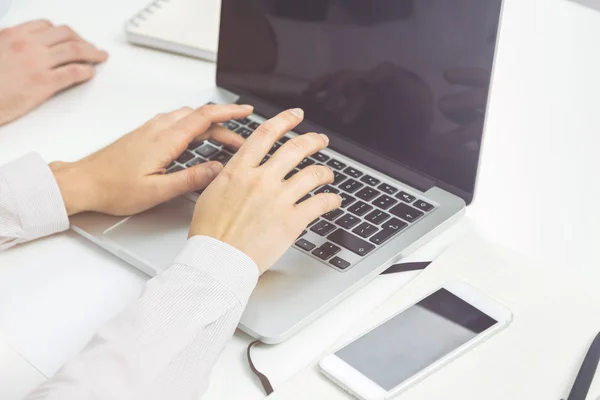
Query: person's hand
(251,207)
(37,60)
(466,108)
(128,176)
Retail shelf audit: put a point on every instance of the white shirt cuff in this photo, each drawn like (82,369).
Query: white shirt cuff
(226,264)
(36,195)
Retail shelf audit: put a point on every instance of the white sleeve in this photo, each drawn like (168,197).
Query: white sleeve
(164,345)
(31,205)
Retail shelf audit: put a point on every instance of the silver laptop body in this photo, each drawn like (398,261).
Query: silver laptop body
(336,255)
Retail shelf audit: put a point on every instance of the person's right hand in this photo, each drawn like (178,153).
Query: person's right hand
(251,207)
(37,60)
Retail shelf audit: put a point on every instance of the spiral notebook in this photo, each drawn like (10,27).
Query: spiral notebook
(188,27)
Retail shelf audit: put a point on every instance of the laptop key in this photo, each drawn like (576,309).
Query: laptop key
(351,242)
(291,173)
(326,251)
(406,212)
(338,178)
(377,217)
(367,194)
(423,205)
(332,215)
(336,164)
(304,198)
(365,230)
(174,169)
(305,245)
(339,262)
(360,208)
(323,228)
(206,151)
(265,159)
(353,172)
(384,202)
(327,189)
(305,163)
(388,230)
(350,186)
(284,139)
(347,221)
(195,161)
(185,157)
(222,157)
(231,125)
(213,141)
(369,180)
(320,157)
(253,125)
(274,148)
(346,199)
(405,197)
(244,132)
(171,165)
(387,188)
(243,121)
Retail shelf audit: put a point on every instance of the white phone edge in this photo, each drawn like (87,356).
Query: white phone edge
(364,388)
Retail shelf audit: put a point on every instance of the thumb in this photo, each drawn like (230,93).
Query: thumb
(191,179)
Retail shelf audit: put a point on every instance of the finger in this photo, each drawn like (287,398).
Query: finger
(189,180)
(229,139)
(58,34)
(164,121)
(308,180)
(70,75)
(464,106)
(263,138)
(36,26)
(317,205)
(294,151)
(76,51)
(477,77)
(198,122)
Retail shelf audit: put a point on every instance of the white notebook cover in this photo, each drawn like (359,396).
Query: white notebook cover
(189,27)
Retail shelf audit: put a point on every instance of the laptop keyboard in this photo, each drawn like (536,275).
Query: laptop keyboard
(372,212)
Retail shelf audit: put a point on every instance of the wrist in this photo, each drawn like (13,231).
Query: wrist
(74,187)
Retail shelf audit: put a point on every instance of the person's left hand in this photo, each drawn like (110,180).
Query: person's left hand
(128,176)
(38,60)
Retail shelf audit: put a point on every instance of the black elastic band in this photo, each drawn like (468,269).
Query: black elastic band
(586,374)
(264,381)
(394,269)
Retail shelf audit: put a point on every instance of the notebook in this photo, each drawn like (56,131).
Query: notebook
(188,27)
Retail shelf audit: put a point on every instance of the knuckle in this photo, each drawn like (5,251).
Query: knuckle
(325,202)
(300,142)
(45,23)
(191,179)
(265,129)
(76,48)
(19,45)
(67,30)
(317,172)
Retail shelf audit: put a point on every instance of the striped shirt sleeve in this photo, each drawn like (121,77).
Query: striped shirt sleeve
(164,345)
(31,205)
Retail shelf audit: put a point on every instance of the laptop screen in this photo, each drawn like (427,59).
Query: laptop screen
(407,79)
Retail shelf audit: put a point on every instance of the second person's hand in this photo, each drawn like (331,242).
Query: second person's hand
(252,208)
(37,60)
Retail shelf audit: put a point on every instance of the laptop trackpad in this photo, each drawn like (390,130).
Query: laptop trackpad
(157,236)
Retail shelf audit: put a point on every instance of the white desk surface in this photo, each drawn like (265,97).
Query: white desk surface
(537,189)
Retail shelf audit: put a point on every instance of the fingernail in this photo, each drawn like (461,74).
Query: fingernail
(214,170)
(247,107)
(325,138)
(298,112)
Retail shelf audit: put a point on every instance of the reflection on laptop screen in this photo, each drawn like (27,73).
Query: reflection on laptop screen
(407,79)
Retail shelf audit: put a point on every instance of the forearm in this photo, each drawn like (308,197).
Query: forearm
(31,205)
(164,345)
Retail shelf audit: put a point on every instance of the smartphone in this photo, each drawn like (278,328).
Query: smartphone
(417,341)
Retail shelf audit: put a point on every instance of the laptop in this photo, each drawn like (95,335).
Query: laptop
(401,88)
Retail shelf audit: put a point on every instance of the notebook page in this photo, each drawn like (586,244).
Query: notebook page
(191,23)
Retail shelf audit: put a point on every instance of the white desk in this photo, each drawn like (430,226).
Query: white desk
(537,194)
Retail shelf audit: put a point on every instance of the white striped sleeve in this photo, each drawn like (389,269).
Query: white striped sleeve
(164,345)
(31,205)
